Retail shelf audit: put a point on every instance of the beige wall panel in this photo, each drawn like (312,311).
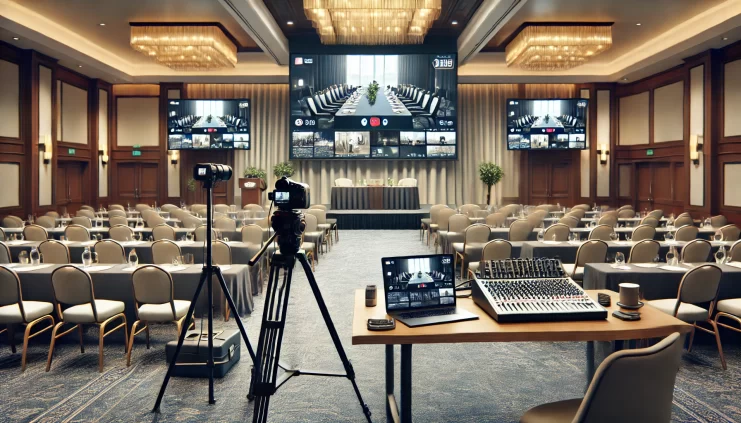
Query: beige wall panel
(138,121)
(10,188)
(633,119)
(9,100)
(697,126)
(74,114)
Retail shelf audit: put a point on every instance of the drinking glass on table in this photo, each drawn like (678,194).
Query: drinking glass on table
(23,257)
(669,236)
(718,236)
(176,261)
(628,237)
(720,255)
(133,258)
(613,236)
(619,259)
(34,256)
(541,235)
(189,236)
(188,259)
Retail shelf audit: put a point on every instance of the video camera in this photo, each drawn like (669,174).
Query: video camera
(212,172)
(289,195)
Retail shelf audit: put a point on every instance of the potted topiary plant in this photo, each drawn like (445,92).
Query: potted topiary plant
(283,169)
(191,185)
(490,174)
(254,172)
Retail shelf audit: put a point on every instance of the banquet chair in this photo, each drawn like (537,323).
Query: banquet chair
(545,207)
(644,251)
(520,230)
(11,221)
(191,221)
(536,218)
(570,221)
(454,232)
(141,207)
(613,394)
(168,208)
(85,213)
(200,233)
(696,251)
(164,251)
(5,254)
(474,239)
(718,221)
(686,233)
(121,233)
(626,213)
(728,309)
(592,251)
(35,233)
(730,232)
(222,208)
(657,214)
(609,220)
(642,232)
(118,220)
(47,222)
(343,182)
(332,222)
(309,249)
(163,231)
(557,232)
(112,207)
(407,182)
(77,305)
(221,253)
(650,221)
(77,233)
(13,311)
(699,285)
(225,224)
(440,222)
(312,233)
(734,254)
(2,234)
(110,252)
(426,221)
(152,218)
(318,206)
(577,213)
(88,208)
(601,232)
(54,252)
(469,209)
(321,218)
(584,207)
(154,293)
(497,249)
(52,214)
(683,221)
(496,220)
(199,210)
(83,221)
(253,207)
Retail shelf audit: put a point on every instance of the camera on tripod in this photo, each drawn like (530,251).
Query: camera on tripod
(289,195)
(212,172)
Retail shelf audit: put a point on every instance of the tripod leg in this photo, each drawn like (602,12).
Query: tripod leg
(233,307)
(210,290)
(181,338)
(333,333)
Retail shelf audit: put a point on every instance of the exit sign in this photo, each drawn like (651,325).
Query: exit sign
(71,151)
(136,153)
(650,152)
(137,146)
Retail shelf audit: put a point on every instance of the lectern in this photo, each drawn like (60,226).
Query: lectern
(252,189)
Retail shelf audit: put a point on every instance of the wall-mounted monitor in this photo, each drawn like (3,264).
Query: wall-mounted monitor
(335,114)
(547,124)
(208,124)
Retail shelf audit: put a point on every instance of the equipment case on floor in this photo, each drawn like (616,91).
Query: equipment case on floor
(193,358)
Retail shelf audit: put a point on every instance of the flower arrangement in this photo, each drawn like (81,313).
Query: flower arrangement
(372,92)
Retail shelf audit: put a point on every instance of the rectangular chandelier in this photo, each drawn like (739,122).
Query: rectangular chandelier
(185,47)
(372,22)
(549,47)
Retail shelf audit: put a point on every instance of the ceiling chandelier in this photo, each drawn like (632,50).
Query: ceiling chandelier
(552,47)
(372,22)
(185,47)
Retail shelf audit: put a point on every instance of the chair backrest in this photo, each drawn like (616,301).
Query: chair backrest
(343,182)
(477,234)
(545,207)
(496,220)
(221,253)
(35,233)
(520,230)
(47,222)
(570,221)
(626,206)
(10,288)
(321,215)
(730,232)
(52,214)
(163,231)
(601,232)
(225,224)
(696,251)
(191,221)
(577,213)
(614,385)
(222,208)
(83,221)
(168,207)
(434,210)
(110,252)
(443,216)
(73,286)
(644,251)
(77,233)
(559,231)
(112,207)
(318,206)
(592,251)
(116,213)
(311,223)
(200,233)
(118,220)
(700,285)
(658,214)
(718,221)
(5,254)
(683,221)
(121,233)
(735,252)
(686,233)
(86,213)
(609,220)
(626,213)
(153,285)
(253,207)
(498,249)
(650,221)
(407,182)
(54,252)
(252,234)
(458,223)
(141,207)
(86,207)
(469,209)
(583,207)
(11,221)
(536,218)
(642,232)
(163,251)
(199,210)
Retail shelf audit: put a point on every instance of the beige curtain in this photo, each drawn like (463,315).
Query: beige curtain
(481,137)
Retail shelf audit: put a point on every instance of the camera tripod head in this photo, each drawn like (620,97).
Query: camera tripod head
(288,228)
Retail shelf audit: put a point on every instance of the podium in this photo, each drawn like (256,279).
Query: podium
(252,189)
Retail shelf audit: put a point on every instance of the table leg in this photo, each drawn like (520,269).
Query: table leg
(392,411)
(590,362)
(406,383)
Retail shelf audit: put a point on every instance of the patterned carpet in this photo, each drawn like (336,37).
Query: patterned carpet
(452,383)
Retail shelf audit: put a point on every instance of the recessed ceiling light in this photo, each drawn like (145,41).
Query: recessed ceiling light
(289,23)
(638,24)
(16,38)
(102,24)
(454,22)
(725,38)
(79,66)
(625,79)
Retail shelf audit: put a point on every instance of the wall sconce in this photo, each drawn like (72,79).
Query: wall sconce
(300,82)
(47,156)
(103,157)
(46,147)
(602,152)
(174,156)
(696,142)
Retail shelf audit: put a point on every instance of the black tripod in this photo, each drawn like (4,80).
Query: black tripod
(207,274)
(265,379)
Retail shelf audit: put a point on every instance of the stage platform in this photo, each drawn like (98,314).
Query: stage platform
(379,219)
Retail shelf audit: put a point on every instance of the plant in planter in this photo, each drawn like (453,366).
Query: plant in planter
(283,169)
(372,92)
(490,174)
(254,172)
(208,119)
(191,185)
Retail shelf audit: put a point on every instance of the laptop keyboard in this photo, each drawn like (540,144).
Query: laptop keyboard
(426,313)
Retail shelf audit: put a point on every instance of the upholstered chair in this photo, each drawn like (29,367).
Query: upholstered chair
(601,232)
(47,222)
(520,230)
(609,220)
(83,221)
(730,232)
(683,221)
(657,214)
(497,249)
(468,251)
(343,182)
(11,221)
(454,232)
(642,232)
(592,251)
(121,233)
(644,251)
(570,221)
(35,233)
(557,232)
(86,213)
(425,221)
(5,254)
(54,252)
(496,220)
(407,182)
(222,208)
(77,233)
(650,221)
(225,224)
(626,213)
(718,221)
(200,233)
(686,233)
(164,251)
(163,231)
(110,252)
(696,251)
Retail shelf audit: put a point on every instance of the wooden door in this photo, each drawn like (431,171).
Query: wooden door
(539,183)
(662,186)
(147,180)
(70,182)
(126,182)
(643,187)
(560,184)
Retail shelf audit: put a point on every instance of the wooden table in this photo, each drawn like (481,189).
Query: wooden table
(653,324)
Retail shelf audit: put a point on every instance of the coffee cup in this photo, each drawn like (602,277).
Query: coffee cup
(629,294)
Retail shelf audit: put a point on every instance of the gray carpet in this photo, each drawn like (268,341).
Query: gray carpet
(453,383)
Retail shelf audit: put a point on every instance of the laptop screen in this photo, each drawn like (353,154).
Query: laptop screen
(416,282)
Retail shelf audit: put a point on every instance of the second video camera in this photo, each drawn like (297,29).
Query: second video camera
(289,195)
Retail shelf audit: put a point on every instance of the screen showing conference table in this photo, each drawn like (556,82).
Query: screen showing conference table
(547,124)
(208,124)
(373,106)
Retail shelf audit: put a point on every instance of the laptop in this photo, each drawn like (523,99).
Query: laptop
(420,290)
